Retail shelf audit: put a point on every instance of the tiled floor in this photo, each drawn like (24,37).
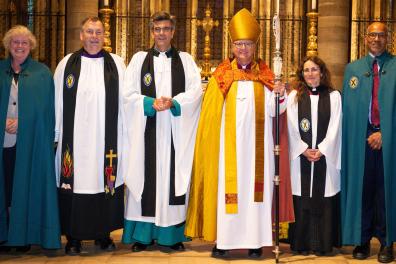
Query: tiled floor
(197,252)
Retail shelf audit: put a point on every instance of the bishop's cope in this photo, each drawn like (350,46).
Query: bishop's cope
(88,91)
(231,188)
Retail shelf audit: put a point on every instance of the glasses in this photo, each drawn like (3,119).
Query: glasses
(374,35)
(23,43)
(93,32)
(163,29)
(312,70)
(241,45)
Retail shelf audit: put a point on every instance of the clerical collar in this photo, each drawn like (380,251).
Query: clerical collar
(168,53)
(315,90)
(244,67)
(97,55)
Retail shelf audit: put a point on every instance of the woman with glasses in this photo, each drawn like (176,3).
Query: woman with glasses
(28,199)
(314,126)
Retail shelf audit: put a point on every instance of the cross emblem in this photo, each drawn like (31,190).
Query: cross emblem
(70,81)
(304,124)
(353,82)
(111,156)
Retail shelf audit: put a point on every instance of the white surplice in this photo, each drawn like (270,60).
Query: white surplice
(89,124)
(183,129)
(251,227)
(330,147)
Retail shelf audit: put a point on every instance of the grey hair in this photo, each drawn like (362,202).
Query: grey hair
(162,16)
(19,30)
(90,19)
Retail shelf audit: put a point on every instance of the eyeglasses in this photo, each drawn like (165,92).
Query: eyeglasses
(163,29)
(91,32)
(241,45)
(313,70)
(374,35)
(23,43)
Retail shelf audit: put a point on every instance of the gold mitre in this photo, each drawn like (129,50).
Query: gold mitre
(243,25)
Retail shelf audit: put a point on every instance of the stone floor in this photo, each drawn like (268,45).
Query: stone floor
(197,252)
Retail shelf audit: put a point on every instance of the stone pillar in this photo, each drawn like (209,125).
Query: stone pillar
(77,11)
(333,37)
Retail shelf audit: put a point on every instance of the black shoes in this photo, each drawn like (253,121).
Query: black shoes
(219,253)
(5,249)
(73,247)
(362,252)
(386,254)
(302,252)
(106,244)
(22,249)
(138,247)
(222,253)
(18,249)
(255,253)
(178,247)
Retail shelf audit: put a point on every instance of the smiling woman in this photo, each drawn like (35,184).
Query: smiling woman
(314,121)
(19,41)
(27,123)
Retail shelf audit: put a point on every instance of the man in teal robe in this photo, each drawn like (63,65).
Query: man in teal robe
(368,159)
(33,218)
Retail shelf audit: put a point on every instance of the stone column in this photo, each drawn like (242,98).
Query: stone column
(76,12)
(333,37)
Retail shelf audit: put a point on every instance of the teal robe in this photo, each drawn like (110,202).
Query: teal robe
(357,88)
(34,217)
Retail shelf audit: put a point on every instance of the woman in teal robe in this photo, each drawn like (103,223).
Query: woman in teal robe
(28,196)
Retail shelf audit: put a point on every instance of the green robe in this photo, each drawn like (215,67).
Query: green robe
(357,87)
(34,217)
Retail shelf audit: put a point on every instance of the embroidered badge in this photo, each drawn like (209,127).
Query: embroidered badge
(67,164)
(353,82)
(147,79)
(231,198)
(109,171)
(70,81)
(305,125)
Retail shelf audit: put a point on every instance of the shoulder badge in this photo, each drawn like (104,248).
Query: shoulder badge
(147,79)
(305,125)
(70,80)
(353,82)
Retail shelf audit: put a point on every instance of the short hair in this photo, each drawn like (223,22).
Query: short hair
(325,77)
(19,30)
(90,19)
(378,23)
(162,16)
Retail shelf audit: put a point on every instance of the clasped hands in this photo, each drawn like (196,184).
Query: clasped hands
(163,103)
(312,154)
